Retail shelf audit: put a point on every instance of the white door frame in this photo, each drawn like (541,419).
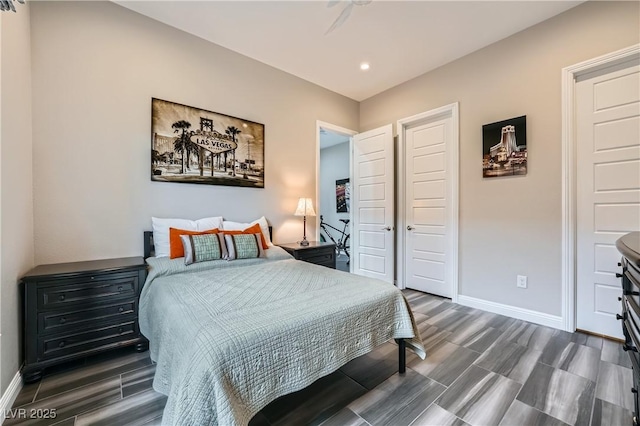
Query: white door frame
(450,110)
(569,195)
(335,129)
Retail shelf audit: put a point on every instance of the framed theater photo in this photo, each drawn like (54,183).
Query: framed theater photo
(504,148)
(192,145)
(343,195)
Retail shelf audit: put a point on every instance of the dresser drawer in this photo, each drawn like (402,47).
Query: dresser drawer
(64,344)
(631,320)
(90,289)
(319,253)
(633,275)
(57,321)
(325,255)
(629,345)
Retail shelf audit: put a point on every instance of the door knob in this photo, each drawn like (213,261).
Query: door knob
(409,228)
(386,228)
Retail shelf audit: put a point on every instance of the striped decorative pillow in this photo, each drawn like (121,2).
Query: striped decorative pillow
(250,230)
(175,243)
(244,246)
(203,247)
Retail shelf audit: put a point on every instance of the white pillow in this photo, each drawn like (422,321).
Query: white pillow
(161,230)
(239,226)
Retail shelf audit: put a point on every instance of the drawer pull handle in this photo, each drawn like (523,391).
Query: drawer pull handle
(634,390)
(119,288)
(120,309)
(619,299)
(61,344)
(120,330)
(61,297)
(63,320)
(618,275)
(93,278)
(620,317)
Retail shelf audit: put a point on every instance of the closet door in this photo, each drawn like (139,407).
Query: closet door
(608,190)
(430,222)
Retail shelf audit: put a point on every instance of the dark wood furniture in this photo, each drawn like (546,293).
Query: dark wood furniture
(72,310)
(629,246)
(323,254)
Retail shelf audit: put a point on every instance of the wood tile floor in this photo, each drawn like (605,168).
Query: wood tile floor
(481,369)
(341,262)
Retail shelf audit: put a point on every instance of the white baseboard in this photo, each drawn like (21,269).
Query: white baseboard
(10,395)
(513,312)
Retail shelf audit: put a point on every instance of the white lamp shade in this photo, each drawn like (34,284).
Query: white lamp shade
(305,207)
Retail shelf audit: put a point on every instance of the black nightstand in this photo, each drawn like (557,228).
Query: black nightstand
(316,252)
(77,309)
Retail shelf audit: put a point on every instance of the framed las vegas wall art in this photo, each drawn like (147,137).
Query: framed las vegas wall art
(193,145)
(504,148)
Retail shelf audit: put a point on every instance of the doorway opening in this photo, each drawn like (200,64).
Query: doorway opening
(333,190)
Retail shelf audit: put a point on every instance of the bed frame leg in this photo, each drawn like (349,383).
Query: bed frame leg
(402,356)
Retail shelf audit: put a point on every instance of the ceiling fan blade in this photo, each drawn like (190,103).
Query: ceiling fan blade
(332,3)
(361,2)
(340,19)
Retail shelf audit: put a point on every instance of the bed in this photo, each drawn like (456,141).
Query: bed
(229,337)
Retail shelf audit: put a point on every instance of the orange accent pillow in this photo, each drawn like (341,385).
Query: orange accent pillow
(255,229)
(176,248)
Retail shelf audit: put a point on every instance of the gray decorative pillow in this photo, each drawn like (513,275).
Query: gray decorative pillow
(201,248)
(244,246)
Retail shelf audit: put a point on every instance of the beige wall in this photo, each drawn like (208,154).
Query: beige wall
(16,184)
(96,66)
(511,226)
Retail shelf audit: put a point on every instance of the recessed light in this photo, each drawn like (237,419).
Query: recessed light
(364,66)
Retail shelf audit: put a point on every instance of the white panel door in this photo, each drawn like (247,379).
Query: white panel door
(372,201)
(608,191)
(428,256)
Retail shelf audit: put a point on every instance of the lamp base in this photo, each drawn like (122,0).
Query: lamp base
(304,242)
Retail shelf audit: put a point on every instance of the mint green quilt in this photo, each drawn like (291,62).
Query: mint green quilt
(229,337)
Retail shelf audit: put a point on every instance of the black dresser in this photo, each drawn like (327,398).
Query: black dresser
(629,246)
(320,253)
(72,310)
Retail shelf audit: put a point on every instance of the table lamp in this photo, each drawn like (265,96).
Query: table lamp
(305,208)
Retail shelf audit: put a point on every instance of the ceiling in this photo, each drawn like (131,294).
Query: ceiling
(400,39)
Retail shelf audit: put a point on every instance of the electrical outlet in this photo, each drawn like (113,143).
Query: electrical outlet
(521,281)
